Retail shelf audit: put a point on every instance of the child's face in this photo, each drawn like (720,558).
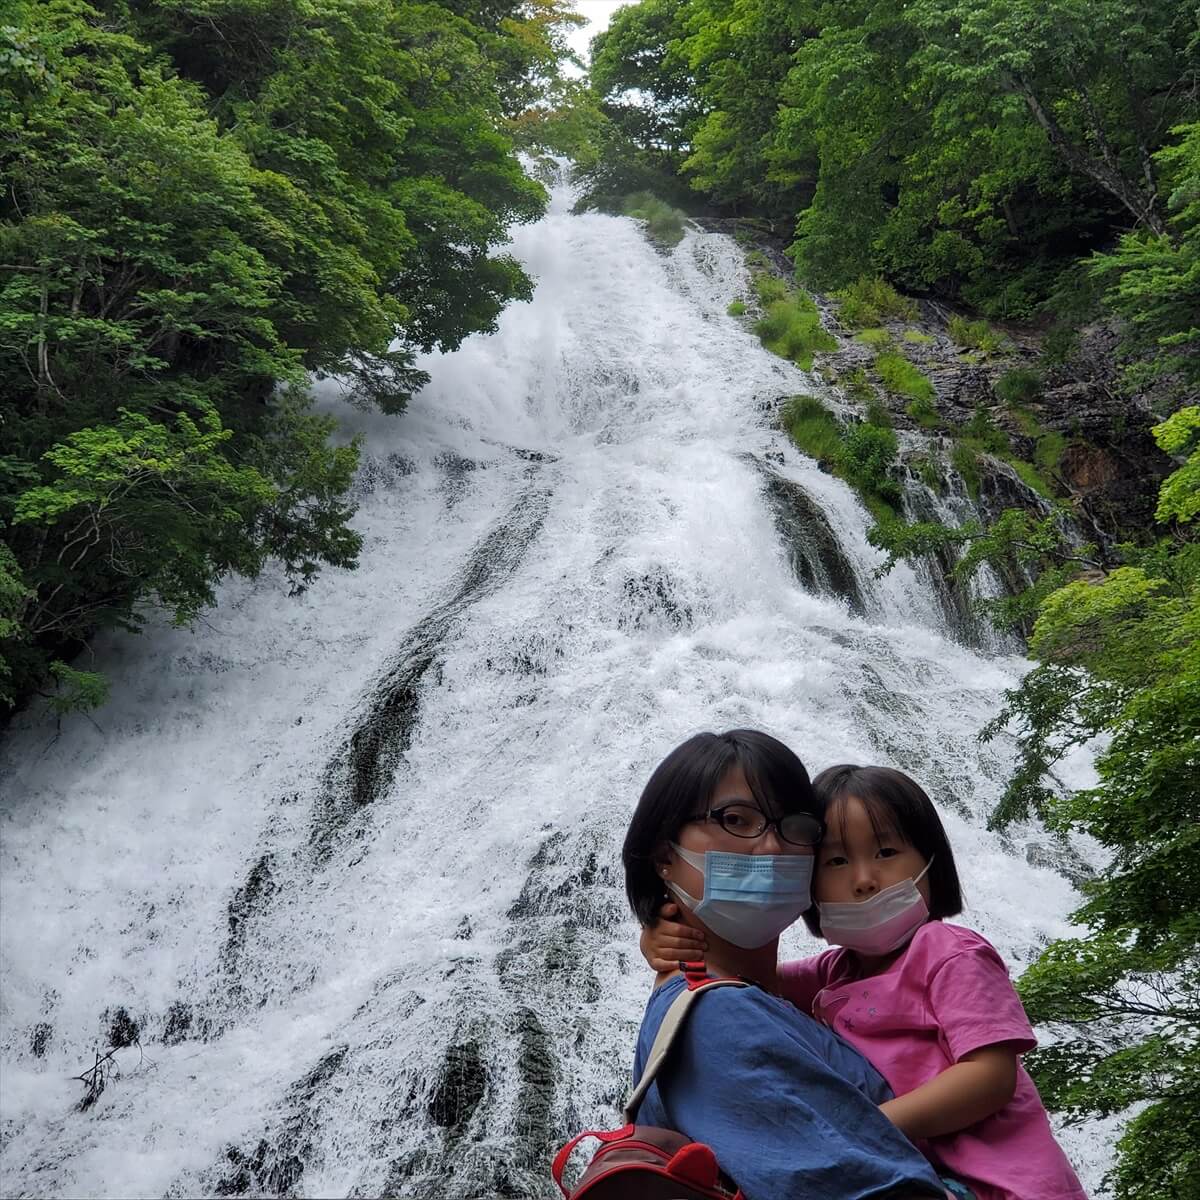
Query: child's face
(854,861)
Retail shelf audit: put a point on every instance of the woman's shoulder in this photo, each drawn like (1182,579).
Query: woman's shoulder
(720,1007)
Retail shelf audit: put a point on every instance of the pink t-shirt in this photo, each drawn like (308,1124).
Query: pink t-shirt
(948,994)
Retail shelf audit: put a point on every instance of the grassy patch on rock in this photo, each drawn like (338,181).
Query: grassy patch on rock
(976,335)
(790,325)
(862,453)
(902,378)
(664,222)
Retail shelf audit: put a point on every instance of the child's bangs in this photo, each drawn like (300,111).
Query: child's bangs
(884,817)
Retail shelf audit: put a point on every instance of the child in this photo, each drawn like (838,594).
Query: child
(930,1005)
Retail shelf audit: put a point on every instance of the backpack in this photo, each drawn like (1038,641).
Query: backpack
(642,1162)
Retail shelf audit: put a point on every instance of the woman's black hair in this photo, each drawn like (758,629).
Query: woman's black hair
(683,784)
(893,801)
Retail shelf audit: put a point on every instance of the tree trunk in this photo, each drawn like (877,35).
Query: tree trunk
(1142,205)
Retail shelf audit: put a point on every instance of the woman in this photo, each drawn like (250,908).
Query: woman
(727,827)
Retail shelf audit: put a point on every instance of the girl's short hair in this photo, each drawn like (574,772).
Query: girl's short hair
(682,786)
(895,801)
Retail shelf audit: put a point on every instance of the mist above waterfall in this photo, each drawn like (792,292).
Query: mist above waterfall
(342,870)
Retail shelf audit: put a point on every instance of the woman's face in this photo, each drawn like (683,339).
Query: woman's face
(702,835)
(854,861)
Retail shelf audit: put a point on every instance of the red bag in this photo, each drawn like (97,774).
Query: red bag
(642,1162)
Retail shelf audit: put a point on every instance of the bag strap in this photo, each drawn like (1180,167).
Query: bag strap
(560,1159)
(669,1030)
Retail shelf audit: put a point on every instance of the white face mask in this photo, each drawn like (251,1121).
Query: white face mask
(880,924)
(749,899)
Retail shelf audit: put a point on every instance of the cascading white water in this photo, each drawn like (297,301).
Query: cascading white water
(348,864)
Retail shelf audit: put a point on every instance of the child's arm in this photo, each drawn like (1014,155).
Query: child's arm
(984,1028)
(666,943)
(979,1084)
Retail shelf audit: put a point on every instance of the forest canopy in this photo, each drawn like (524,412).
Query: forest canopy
(206,204)
(978,150)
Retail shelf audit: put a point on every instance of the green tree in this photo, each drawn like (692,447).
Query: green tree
(643,79)
(739,52)
(1153,279)
(642,86)
(205,202)
(1101,79)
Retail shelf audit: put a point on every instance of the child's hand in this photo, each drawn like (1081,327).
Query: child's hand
(666,943)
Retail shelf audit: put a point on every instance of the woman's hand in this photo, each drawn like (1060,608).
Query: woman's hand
(666,943)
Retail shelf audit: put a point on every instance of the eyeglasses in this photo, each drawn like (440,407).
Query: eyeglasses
(746,821)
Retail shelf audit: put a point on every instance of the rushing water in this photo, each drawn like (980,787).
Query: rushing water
(343,870)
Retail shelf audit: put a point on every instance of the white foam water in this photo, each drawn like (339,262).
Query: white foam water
(348,863)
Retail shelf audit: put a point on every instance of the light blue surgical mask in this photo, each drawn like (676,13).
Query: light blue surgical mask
(749,899)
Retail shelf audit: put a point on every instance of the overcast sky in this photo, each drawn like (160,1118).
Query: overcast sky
(598,13)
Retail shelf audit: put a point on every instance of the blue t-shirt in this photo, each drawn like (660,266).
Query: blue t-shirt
(789,1109)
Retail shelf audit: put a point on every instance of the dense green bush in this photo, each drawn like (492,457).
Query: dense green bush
(871,300)
(813,428)
(868,458)
(924,412)
(664,222)
(864,454)
(769,288)
(791,328)
(975,335)
(1019,386)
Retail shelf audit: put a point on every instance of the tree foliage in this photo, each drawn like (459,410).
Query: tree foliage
(1153,278)
(973,148)
(205,203)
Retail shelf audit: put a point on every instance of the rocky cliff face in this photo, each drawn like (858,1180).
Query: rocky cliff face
(1109,468)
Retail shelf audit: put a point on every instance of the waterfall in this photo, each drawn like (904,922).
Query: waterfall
(336,878)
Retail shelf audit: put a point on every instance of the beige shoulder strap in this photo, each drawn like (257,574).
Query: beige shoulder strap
(665,1038)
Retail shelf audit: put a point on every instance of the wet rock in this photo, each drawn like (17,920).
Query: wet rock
(1061,857)
(248,899)
(537,1066)
(361,771)
(816,556)
(461,1085)
(39,1039)
(123,1030)
(179,1023)
(651,600)
(262,1173)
